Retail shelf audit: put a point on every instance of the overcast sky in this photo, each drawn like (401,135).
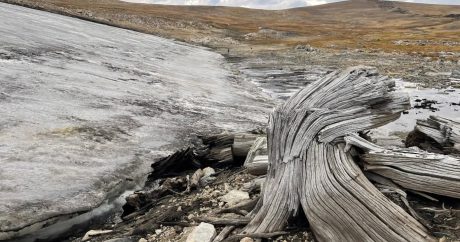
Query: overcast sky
(269,4)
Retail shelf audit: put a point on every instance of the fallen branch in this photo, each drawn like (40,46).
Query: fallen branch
(224,233)
(223,221)
(259,166)
(247,206)
(412,168)
(259,147)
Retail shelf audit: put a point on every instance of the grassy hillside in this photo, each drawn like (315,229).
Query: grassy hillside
(368,24)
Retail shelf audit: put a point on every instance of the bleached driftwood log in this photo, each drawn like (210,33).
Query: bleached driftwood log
(256,162)
(412,168)
(309,168)
(444,131)
(243,143)
(259,147)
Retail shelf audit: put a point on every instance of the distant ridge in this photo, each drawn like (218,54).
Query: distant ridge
(369,24)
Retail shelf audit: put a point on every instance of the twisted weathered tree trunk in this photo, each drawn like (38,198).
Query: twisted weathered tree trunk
(309,168)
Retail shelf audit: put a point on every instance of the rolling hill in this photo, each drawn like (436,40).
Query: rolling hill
(368,24)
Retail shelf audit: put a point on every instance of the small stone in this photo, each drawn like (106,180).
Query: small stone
(158,231)
(435,74)
(457,146)
(206,180)
(195,180)
(93,233)
(208,171)
(216,193)
(226,187)
(142,240)
(234,196)
(246,239)
(456,73)
(178,229)
(202,233)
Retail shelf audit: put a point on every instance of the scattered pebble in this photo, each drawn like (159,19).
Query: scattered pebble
(202,233)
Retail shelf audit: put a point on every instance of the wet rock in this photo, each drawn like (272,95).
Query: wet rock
(202,233)
(234,197)
(93,233)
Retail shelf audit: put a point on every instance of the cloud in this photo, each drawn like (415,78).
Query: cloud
(269,4)
(262,4)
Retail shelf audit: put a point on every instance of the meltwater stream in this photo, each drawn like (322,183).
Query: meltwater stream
(85,107)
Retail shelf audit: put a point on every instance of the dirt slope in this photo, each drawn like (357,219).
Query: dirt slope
(368,24)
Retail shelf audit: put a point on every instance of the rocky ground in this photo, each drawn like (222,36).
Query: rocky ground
(307,63)
(183,204)
(187,203)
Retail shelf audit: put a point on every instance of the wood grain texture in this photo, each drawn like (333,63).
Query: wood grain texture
(444,131)
(310,169)
(412,168)
(243,143)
